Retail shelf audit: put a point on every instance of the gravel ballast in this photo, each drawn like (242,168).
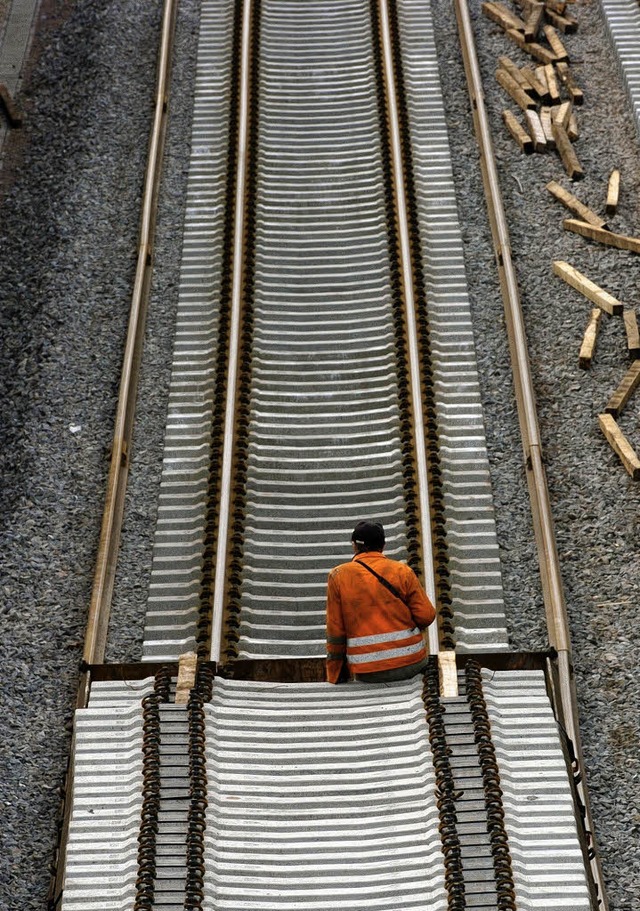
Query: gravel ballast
(70,224)
(69,243)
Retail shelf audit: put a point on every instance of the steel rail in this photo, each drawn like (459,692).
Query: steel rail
(234,338)
(552,588)
(106,561)
(393,122)
(104,577)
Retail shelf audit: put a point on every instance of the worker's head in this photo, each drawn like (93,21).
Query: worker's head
(368,536)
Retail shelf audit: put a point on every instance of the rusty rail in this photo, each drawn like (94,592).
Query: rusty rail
(239,226)
(552,588)
(106,561)
(408,293)
(100,606)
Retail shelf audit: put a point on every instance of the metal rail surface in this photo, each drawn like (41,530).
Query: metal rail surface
(97,625)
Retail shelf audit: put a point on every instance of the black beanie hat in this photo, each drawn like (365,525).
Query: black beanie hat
(369,535)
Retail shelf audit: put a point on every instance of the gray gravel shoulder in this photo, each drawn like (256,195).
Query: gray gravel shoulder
(69,244)
(134,563)
(594,501)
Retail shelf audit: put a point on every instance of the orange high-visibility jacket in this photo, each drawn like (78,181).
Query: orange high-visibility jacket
(367,623)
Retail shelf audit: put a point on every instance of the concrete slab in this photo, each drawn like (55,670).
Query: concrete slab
(14,47)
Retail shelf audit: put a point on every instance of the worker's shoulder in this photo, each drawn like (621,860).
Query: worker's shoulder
(340,569)
(398,567)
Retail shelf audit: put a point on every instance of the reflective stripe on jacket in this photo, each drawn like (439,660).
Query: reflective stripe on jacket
(368,624)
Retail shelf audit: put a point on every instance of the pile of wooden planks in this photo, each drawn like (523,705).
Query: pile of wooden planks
(605,303)
(610,427)
(546,91)
(591,225)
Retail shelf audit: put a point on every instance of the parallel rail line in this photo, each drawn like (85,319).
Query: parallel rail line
(552,589)
(325,369)
(324,437)
(290,436)
(97,626)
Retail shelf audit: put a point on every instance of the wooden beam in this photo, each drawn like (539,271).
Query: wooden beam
(613,192)
(526,5)
(572,130)
(574,205)
(552,83)
(556,45)
(532,48)
(620,445)
(277,670)
(545,120)
(575,92)
(502,16)
(566,24)
(625,390)
(540,88)
(589,341)
(514,71)
(586,287)
(536,131)
(187,668)
(556,6)
(541,76)
(567,153)
(515,91)
(609,238)
(533,21)
(518,132)
(631,328)
(562,114)
(448,673)
(566,77)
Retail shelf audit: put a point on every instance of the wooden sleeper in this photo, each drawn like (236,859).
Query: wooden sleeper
(536,131)
(570,202)
(620,445)
(609,238)
(613,192)
(631,328)
(567,153)
(518,132)
(589,341)
(514,91)
(586,287)
(625,390)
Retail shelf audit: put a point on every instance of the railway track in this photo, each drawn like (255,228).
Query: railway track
(328,435)
(325,370)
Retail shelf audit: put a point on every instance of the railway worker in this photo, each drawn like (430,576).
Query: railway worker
(375,611)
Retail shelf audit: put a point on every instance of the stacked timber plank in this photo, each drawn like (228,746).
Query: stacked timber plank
(592,226)
(546,90)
